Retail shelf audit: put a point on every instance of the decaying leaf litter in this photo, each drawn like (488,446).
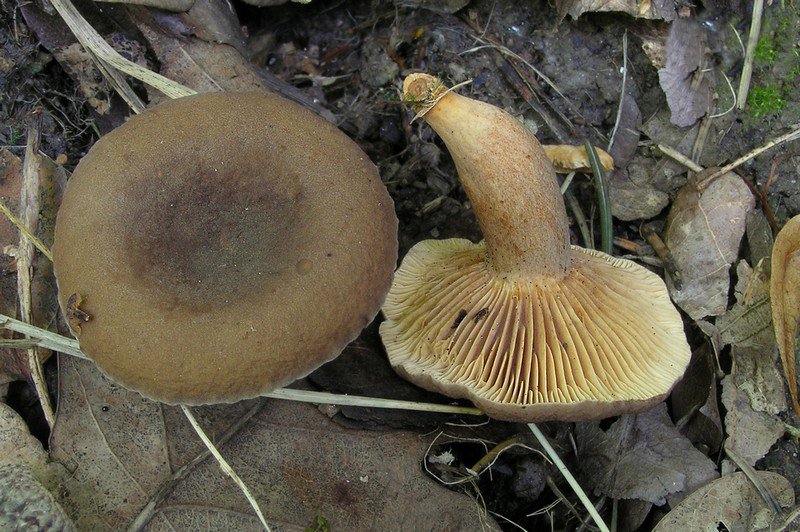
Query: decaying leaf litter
(351,74)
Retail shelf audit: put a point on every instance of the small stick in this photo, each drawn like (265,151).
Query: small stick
(749,56)
(148,512)
(627,245)
(788,137)
(563,499)
(308,396)
(750,472)
(680,158)
(580,219)
(663,253)
(568,477)
(29,203)
(226,468)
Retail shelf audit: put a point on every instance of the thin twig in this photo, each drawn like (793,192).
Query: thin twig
(488,459)
(148,512)
(29,203)
(680,158)
(622,90)
(749,56)
(664,254)
(561,498)
(307,396)
(568,477)
(225,466)
(787,137)
(752,475)
(580,219)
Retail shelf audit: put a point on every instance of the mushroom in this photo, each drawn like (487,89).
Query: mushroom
(218,246)
(522,324)
(568,158)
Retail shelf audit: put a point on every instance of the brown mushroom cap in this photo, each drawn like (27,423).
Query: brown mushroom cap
(222,245)
(602,341)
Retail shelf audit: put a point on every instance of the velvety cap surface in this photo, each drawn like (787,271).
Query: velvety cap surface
(223,245)
(605,340)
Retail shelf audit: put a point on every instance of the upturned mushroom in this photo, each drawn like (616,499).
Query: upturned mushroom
(222,245)
(526,326)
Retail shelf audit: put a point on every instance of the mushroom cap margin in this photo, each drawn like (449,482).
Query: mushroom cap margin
(606,340)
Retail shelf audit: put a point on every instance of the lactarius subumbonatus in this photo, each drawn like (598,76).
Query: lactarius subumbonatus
(526,326)
(218,246)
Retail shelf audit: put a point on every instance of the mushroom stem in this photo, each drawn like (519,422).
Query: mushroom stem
(507,176)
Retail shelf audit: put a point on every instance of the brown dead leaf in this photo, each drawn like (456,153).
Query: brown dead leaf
(646,9)
(641,457)
(703,232)
(120,449)
(18,446)
(631,188)
(750,433)
(687,83)
(749,322)
(184,56)
(731,501)
(785,296)
(760,241)
(694,402)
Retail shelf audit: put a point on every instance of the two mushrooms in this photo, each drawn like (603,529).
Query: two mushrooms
(219,246)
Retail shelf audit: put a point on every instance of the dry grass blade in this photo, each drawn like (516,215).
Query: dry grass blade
(226,468)
(569,478)
(749,57)
(788,137)
(29,203)
(25,231)
(305,396)
(93,42)
(71,347)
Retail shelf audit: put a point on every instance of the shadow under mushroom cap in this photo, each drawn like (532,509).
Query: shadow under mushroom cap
(223,245)
(604,340)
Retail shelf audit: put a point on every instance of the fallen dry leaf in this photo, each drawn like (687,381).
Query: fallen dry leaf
(646,9)
(19,447)
(749,322)
(731,501)
(642,457)
(121,449)
(694,402)
(760,240)
(703,233)
(687,83)
(785,296)
(750,433)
